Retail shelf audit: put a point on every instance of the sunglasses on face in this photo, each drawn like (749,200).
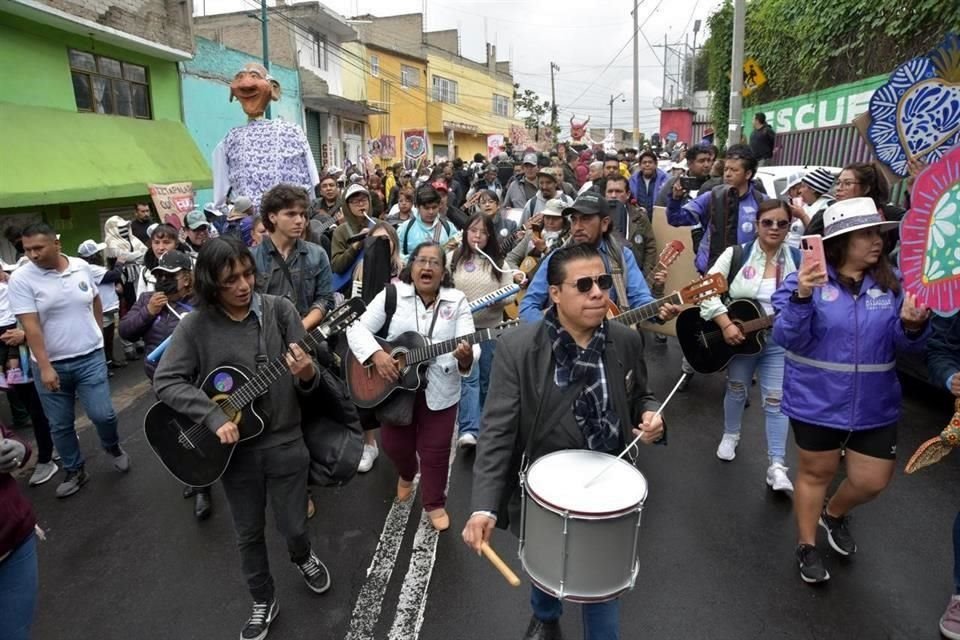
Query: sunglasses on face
(769,224)
(585,284)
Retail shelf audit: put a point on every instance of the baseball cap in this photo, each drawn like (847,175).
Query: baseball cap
(440,185)
(530,158)
(355,189)
(588,203)
(173,262)
(553,207)
(212,208)
(490,168)
(88,248)
(548,172)
(195,219)
(242,205)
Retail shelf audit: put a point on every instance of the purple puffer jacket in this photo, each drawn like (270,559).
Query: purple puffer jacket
(138,324)
(840,368)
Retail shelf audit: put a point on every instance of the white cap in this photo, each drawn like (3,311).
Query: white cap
(89,248)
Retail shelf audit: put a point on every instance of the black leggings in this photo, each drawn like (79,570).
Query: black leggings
(27,394)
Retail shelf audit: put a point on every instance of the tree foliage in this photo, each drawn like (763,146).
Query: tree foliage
(534,111)
(815,44)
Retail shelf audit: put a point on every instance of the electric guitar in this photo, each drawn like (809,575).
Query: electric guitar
(702,340)
(193,453)
(708,286)
(414,353)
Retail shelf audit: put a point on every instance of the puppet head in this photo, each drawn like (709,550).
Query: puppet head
(578,131)
(254,88)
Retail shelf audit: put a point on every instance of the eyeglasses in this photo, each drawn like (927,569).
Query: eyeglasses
(427,262)
(585,284)
(847,183)
(767,223)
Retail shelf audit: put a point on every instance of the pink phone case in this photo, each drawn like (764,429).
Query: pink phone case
(811,247)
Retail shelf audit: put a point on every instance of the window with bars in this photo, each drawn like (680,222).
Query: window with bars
(106,85)
(501,105)
(409,77)
(444,90)
(375,66)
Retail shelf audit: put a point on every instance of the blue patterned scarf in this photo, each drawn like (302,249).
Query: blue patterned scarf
(599,425)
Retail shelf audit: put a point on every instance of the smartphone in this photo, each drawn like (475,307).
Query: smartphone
(691,183)
(811,248)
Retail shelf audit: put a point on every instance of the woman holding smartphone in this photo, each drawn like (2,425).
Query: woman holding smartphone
(841,324)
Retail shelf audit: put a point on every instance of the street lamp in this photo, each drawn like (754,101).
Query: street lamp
(612,100)
(693,66)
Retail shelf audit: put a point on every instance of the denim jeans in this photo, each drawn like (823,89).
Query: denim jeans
(768,365)
(473,390)
(18,590)
(601,620)
(83,377)
(279,473)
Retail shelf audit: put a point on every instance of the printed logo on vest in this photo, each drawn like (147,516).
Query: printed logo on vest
(829,293)
(749,273)
(83,286)
(446,311)
(747,227)
(878,299)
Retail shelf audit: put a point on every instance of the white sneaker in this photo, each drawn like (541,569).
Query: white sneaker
(43,472)
(466,440)
(370,453)
(777,478)
(728,446)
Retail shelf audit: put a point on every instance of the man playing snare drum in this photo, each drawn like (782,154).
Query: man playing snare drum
(594,383)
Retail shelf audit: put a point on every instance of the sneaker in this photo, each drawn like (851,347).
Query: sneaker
(43,472)
(369,456)
(812,570)
(121,461)
(315,574)
(728,446)
(777,478)
(15,376)
(950,620)
(467,440)
(261,616)
(838,534)
(72,482)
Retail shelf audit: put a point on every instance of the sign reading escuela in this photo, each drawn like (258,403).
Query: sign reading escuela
(172,201)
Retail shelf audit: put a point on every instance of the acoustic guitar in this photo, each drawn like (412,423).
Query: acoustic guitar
(414,353)
(702,340)
(668,255)
(708,286)
(194,454)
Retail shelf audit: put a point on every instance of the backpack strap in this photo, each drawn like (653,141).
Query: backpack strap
(741,252)
(389,307)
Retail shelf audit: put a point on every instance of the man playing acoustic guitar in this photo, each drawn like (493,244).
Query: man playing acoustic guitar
(237,326)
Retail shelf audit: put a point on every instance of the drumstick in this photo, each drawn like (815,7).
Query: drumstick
(637,439)
(500,565)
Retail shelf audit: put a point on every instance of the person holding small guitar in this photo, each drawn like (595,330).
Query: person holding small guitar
(235,325)
(754,271)
(425,302)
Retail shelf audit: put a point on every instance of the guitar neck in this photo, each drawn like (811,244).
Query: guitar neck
(431,351)
(648,310)
(756,325)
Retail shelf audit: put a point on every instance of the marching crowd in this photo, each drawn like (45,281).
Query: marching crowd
(558,240)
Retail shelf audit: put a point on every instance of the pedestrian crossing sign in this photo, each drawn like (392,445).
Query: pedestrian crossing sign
(753,77)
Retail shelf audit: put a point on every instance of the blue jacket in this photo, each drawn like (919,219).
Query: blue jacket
(413,232)
(840,368)
(697,212)
(647,199)
(537,296)
(943,351)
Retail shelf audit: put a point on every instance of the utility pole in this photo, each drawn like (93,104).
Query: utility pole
(553,98)
(636,77)
(693,67)
(736,73)
(612,100)
(266,44)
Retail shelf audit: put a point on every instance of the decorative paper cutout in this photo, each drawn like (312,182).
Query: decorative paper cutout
(917,113)
(930,237)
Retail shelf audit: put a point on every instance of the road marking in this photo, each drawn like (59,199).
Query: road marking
(366,611)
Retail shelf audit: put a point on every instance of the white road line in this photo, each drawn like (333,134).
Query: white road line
(366,611)
(413,593)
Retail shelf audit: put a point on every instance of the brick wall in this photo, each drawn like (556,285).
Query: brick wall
(167,22)
(237,31)
(400,33)
(448,40)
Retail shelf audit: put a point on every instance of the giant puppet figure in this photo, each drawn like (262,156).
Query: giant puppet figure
(579,133)
(261,154)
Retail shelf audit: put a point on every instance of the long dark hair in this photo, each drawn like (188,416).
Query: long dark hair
(872,183)
(835,250)
(465,252)
(215,256)
(407,274)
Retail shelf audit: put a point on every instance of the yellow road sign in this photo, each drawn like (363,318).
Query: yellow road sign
(753,77)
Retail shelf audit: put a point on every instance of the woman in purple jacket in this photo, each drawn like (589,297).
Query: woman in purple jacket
(841,325)
(18,544)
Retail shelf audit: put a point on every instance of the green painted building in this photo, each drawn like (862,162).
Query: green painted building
(91,114)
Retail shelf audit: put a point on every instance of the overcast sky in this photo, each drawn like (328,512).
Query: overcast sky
(582,44)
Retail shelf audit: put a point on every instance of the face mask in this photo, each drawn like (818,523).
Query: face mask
(167,286)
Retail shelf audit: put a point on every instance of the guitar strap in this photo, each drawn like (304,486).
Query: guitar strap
(286,272)
(266,315)
(620,285)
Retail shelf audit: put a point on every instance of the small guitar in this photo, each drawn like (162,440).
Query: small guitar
(709,286)
(414,353)
(702,340)
(193,453)
(671,251)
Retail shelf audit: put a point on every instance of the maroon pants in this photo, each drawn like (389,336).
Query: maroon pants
(428,437)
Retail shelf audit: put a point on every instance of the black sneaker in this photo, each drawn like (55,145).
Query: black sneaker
(315,574)
(812,570)
(263,613)
(838,534)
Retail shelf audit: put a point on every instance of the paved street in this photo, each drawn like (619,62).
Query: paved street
(125,559)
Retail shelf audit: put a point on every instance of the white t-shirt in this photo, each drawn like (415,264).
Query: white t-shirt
(64,303)
(6,314)
(108,292)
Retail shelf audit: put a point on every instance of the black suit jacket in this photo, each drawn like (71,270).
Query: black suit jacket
(523,369)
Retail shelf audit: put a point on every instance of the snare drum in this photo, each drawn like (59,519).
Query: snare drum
(580,543)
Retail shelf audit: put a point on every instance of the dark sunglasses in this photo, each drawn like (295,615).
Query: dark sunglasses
(585,284)
(769,224)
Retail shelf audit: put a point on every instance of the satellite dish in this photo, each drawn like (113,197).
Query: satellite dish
(657,102)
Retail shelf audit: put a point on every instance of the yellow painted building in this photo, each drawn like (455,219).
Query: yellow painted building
(397,85)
